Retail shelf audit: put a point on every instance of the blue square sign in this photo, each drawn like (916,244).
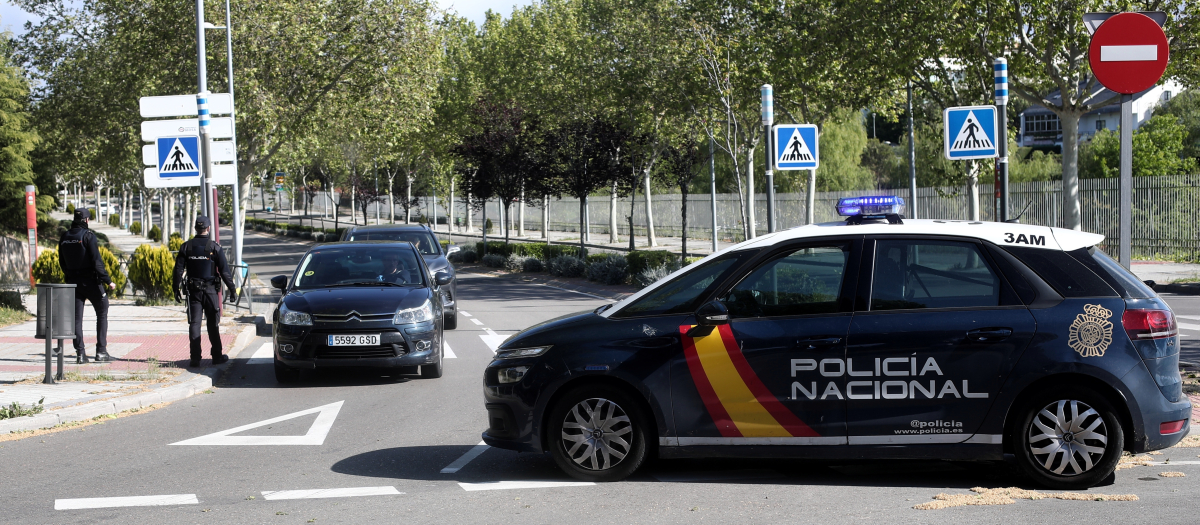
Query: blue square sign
(796,147)
(177,156)
(970,132)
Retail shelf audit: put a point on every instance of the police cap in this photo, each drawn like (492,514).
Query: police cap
(202,222)
(82,214)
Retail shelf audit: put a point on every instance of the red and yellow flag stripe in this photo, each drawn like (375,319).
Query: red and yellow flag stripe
(737,400)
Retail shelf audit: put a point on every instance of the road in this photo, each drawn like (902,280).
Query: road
(390,449)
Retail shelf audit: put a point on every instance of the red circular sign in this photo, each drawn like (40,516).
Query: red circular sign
(1128,53)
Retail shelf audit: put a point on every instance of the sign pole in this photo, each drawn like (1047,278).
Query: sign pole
(31,224)
(912,158)
(1000,69)
(238,223)
(712,181)
(202,109)
(1126,211)
(768,118)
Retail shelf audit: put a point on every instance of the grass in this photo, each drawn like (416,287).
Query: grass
(11,316)
(161,301)
(16,410)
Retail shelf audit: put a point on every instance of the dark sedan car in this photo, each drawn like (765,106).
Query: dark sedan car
(362,304)
(427,243)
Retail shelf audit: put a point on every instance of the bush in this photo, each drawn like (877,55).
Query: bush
(514,263)
(306,235)
(613,269)
(529,249)
(46,268)
(71,209)
(319,236)
(113,265)
(495,247)
(92,214)
(487,226)
(567,266)
(559,250)
(493,260)
(467,256)
(532,264)
(596,257)
(114,220)
(175,242)
(155,234)
(651,275)
(150,271)
(136,228)
(640,261)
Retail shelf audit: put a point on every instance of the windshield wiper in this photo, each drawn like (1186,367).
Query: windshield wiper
(367,283)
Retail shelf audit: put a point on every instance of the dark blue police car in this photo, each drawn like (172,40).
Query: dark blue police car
(872,338)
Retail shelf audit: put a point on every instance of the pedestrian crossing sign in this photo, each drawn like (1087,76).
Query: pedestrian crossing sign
(970,132)
(795,147)
(178,156)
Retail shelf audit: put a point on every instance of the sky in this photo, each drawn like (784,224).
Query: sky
(13,18)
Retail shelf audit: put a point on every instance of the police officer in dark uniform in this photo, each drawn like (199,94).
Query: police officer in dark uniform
(205,264)
(79,258)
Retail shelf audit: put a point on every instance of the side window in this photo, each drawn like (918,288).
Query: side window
(931,274)
(804,281)
(1067,276)
(683,293)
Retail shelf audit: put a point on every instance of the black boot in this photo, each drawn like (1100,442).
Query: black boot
(81,357)
(219,359)
(194,362)
(103,357)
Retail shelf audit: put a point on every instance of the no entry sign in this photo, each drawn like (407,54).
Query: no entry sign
(1128,53)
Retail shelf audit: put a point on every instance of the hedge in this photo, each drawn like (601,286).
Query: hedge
(642,260)
(150,270)
(46,269)
(113,265)
(539,250)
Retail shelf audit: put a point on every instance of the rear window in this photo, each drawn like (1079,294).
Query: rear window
(1125,283)
(1063,272)
(423,240)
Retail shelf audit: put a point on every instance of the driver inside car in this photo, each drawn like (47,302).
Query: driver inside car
(393,271)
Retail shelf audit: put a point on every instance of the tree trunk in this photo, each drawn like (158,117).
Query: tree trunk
(612,216)
(1072,217)
(521,214)
(483,226)
(752,218)
(507,211)
(470,213)
(582,221)
(651,240)
(450,209)
(408,200)
(587,219)
(683,190)
(546,218)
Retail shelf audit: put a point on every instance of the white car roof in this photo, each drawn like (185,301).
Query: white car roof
(998,233)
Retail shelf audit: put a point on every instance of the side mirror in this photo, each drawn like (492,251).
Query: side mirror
(442,278)
(712,313)
(452,249)
(279,281)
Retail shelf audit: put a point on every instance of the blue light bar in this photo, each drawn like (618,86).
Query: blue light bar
(871,206)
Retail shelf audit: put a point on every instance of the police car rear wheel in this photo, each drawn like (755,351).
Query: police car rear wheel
(1069,439)
(597,434)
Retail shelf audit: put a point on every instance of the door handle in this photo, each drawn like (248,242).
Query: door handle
(813,343)
(989,335)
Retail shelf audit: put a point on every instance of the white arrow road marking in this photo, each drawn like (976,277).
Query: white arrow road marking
(1166,464)
(466,458)
(272,495)
(128,501)
(1129,53)
(449,353)
(263,356)
(493,340)
(476,321)
(711,476)
(508,485)
(315,435)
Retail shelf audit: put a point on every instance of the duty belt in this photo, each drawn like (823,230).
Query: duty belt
(200,283)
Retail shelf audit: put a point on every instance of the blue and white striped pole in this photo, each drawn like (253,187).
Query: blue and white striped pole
(1000,68)
(768,118)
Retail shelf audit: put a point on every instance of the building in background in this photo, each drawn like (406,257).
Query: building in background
(1041,128)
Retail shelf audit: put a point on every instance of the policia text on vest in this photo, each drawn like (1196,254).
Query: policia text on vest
(205,264)
(79,258)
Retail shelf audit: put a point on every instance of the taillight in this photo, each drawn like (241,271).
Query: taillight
(1149,324)
(1171,427)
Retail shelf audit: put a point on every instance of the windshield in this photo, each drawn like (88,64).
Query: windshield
(424,241)
(683,294)
(346,266)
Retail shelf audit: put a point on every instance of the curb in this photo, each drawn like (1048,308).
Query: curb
(1180,288)
(552,283)
(197,383)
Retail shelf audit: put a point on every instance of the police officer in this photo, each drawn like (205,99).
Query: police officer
(79,258)
(205,264)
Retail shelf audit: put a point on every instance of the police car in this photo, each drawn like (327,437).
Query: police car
(876,337)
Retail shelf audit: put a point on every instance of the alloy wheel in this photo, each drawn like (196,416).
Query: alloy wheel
(597,434)
(1067,437)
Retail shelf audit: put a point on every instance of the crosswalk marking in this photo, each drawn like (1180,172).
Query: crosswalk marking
(126,501)
(465,458)
(509,485)
(272,495)
(264,355)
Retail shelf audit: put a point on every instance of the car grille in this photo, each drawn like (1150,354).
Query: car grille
(351,316)
(360,352)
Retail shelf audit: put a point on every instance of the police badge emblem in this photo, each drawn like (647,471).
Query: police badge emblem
(1091,333)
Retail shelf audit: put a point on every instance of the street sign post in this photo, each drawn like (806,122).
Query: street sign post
(970,132)
(31,224)
(1128,54)
(184,105)
(1000,72)
(768,118)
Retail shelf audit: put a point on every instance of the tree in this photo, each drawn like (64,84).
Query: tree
(1157,150)
(581,157)
(17,141)
(680,162)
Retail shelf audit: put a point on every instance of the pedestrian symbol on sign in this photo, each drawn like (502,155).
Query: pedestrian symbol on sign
(971,136)
(177,157)
(796,150)
(795,146)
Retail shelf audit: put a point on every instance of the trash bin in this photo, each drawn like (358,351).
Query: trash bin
(63,305)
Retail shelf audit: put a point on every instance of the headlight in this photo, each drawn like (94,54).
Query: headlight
(521,352)
(419,314)
(511,375)
(293,318)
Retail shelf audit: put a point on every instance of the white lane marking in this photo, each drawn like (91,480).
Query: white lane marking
(509,485)
(1166,464)
(272,495)
(1129,53)
(476,321)
(578,292)
(128,501)
(449,353)
(326,414)
(494,341)
(465,458)
(1192,317)
(1186,326)
(489,331)
(264,355)
(464,313)
(706,477)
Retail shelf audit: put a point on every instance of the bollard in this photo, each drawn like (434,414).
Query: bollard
(55,320)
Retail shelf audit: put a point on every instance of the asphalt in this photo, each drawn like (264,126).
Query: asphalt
(394,437)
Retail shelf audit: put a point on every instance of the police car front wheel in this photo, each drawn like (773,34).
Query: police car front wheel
(597,433)
(1069,439)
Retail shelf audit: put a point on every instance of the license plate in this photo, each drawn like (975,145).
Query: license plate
(354,340)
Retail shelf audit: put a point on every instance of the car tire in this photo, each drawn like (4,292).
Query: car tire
(434,371)
(285,374)
(609,449)
(450,321)
(1068,438)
